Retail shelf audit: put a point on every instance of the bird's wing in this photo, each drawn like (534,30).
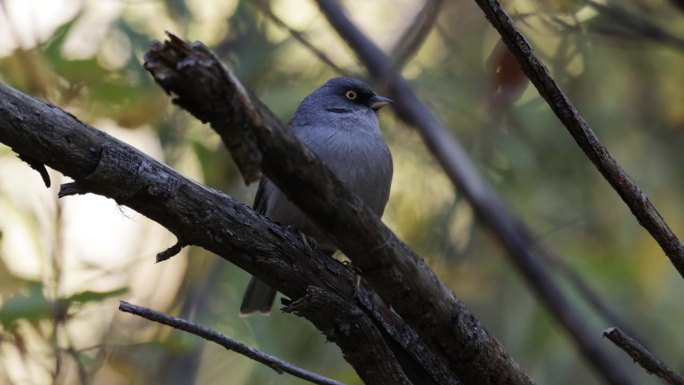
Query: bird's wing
(261,198)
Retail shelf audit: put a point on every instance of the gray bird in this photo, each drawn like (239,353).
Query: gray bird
(338,122)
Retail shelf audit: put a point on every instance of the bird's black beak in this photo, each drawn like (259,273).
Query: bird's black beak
(377,102)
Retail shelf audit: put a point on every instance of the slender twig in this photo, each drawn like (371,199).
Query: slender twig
(81,370)
(275,363)
(300,37)
(584,289)
(629,191)
(413,38)
(643,357)
(459,168)
(678,3)
(627,24)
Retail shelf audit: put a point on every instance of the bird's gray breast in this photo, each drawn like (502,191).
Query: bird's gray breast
(358,156)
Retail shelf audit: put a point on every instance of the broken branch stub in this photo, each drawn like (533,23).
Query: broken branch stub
(196,78)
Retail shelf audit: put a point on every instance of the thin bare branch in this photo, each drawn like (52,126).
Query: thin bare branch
(643,357)
(275,363)
(300,37)
(413,37)
(621,23)
(584,289)
(629,191)
(678,3)
(459,168)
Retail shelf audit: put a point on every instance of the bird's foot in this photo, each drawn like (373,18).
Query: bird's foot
(308,241)
(355,270)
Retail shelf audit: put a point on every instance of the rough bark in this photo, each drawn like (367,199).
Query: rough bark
(642,356)
(395,272)
(201,216)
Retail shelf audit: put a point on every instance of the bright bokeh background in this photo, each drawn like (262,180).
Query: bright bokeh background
(64,264)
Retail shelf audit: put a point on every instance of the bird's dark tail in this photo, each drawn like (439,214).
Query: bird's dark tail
(258,297)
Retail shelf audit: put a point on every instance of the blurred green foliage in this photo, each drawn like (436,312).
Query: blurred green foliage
(622,65)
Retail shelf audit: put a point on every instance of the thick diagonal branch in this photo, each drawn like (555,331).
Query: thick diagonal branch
(513,234)
(579,283)
(400,276)
(381,345)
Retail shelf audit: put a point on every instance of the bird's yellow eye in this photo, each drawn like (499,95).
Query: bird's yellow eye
(351,95)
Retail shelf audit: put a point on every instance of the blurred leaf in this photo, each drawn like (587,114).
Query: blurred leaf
(9,283)
(179,10)
(508,82)
(27,71)
(31,306)
(126,95)
(53,47)
(95,296)
(81,71)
